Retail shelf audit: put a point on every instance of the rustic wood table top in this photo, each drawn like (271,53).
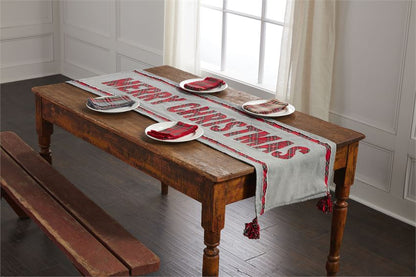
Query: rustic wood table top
(193,167)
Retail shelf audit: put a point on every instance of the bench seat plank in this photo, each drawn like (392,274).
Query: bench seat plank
(79,245)
(136,256)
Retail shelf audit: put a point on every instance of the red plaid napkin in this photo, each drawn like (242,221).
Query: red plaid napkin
(110,102)
(268,107)
(206,84)
(178,130)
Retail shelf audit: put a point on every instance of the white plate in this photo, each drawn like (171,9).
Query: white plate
(286,111)
(163,125)
(183,83)
(116,110)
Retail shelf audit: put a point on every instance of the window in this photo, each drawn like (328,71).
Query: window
(240,40)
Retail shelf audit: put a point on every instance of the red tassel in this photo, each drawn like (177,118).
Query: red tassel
(252,230)
(325,204)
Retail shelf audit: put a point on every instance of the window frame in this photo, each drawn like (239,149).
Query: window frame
(256,89)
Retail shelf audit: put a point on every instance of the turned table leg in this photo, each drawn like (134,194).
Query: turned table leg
(344,178)
(211,257)
(44,130)
(213,216)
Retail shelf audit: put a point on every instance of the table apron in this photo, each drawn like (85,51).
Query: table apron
(138,156)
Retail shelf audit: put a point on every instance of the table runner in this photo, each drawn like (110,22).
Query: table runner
(291,165)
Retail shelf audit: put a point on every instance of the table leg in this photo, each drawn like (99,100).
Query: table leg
(44,130)
(344,178)
(213,216)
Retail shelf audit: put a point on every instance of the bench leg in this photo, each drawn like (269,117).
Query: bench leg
(213,216)
(44,130)
(343,178)
(16,208)
(164,188)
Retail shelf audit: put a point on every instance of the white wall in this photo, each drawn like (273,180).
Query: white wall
(374,82)
(29,39)
(374,93)
(101,37)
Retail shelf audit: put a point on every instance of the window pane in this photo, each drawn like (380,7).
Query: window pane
(215,3)
(210,38)
(272,55)
(276,10)
(243,44)
(252,7)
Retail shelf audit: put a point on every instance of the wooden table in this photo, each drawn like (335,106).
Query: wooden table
(192,167)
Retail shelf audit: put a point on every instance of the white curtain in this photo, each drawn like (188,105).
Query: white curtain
(307,56)
(181,46)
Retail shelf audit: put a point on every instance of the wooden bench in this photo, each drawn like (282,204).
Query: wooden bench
(94,242)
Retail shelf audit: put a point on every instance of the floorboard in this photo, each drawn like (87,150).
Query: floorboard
(294,239)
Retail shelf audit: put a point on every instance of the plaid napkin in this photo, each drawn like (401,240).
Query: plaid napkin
(271,106)
(110,102)
(206,84)
(178,130)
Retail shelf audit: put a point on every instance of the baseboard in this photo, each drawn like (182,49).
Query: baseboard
(28,71)
(382,210)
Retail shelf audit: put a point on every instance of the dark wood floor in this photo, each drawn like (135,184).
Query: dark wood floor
(295,238)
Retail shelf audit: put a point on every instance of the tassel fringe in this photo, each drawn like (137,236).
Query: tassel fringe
(252,230)
(325,204)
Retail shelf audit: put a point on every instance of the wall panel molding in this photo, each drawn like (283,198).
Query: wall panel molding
(27,50)
(374,93)
(121,52)
(410,183)
(404,45)
(128,25)
(29,39)
(126,63)
(413,133)
(88,16)
(87,55)
(76,72)
(25,14)
(139,53)
(363,122)
(26,31)
(375,166)
(370,61)
(142,47)
(88,37)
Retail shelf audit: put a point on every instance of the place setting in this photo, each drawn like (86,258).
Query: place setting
(112,104)
(174,131)
(203,85)
(268,108)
